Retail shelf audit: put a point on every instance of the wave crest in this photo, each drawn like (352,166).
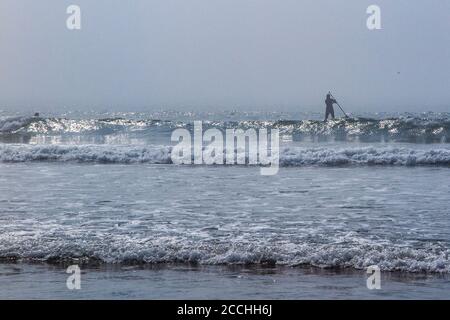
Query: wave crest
(402,129)
(121,249)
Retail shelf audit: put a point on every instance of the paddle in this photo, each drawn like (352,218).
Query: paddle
(339,106)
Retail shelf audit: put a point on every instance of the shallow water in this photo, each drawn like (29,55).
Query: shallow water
(339,217)
(31,281)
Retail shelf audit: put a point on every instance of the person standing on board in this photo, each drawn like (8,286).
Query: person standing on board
(329,101)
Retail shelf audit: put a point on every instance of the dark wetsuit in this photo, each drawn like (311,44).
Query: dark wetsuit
(329,110)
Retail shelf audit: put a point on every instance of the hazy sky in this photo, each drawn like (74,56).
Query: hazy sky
(225,54)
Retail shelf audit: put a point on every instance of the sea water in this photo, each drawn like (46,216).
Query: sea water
(102,192)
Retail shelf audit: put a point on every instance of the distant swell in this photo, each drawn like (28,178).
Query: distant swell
(292,156)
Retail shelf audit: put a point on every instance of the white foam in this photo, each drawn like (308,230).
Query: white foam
(298,156)
(85,153)
(292,156)
(116,249)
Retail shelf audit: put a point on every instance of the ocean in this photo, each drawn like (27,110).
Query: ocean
(100,191)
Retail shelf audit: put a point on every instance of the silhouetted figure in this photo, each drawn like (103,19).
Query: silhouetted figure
(329,109)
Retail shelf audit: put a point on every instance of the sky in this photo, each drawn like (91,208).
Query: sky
(214,55)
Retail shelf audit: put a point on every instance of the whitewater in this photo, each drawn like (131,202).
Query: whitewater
(289,156)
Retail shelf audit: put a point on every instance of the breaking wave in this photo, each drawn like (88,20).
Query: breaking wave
(15,124)
(36,125)
(122,249)
(84,153)
(401,129)
(289,156)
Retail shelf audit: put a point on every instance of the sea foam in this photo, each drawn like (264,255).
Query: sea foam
(124,249)
(289,156)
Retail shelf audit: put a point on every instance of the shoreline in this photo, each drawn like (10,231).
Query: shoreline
(21,280)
